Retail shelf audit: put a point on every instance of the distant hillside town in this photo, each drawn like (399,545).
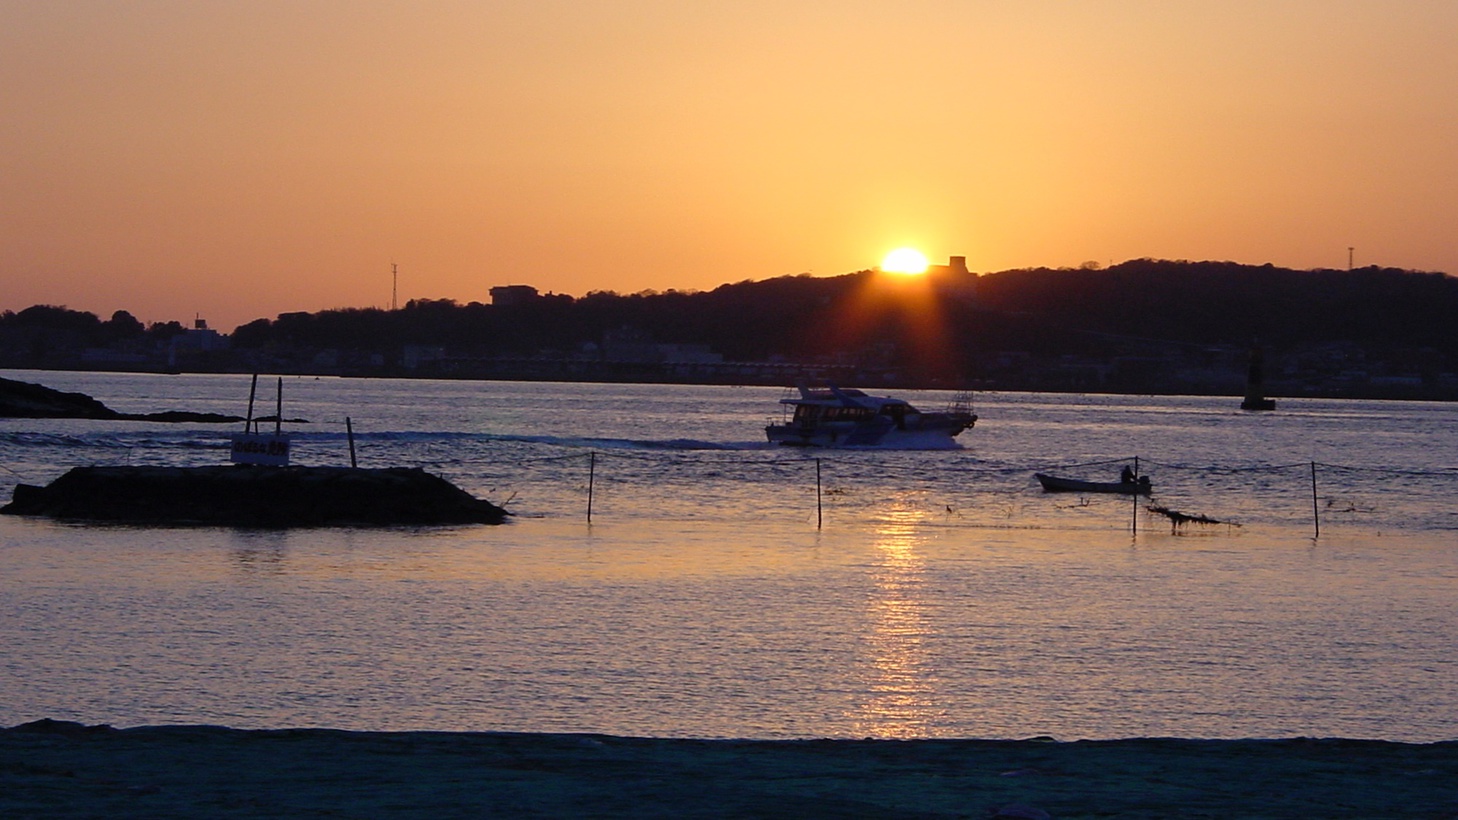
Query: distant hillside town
(1146,326)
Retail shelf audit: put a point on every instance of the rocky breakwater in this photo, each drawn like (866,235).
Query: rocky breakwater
(254,496)
(23,400)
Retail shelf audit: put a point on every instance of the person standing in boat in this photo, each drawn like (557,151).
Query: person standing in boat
(1127,476)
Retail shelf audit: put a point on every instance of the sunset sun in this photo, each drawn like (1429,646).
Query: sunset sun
(904,260)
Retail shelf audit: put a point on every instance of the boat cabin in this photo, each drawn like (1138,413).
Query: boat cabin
(815,412)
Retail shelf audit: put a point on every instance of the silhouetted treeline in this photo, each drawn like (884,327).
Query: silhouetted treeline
(947,327)
(744,321)
(1223,302)
(1131,305)
(45,326)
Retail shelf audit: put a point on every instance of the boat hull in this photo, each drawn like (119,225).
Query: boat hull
(934,432)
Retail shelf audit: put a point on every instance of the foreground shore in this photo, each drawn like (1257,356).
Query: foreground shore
(62,769)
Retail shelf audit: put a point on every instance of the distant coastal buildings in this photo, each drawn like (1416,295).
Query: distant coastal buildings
(954,280)
(513,295)
(956,266)
(177,350)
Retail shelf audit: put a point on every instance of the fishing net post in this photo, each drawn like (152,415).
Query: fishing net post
(819,508)
(591,474)
(1315,507)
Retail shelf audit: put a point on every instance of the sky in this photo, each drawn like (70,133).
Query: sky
(237,160)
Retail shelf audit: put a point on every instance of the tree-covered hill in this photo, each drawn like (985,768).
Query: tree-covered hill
(946,327)
(1040,309)
(1223,302)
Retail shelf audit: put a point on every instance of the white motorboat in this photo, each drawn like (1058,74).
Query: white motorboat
(845,417)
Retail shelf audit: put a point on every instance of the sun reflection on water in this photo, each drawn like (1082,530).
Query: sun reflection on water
(900,685)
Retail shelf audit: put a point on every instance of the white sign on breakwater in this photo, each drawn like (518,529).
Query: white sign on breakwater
(256,448)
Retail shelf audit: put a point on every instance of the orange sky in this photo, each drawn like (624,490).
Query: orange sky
(236,160)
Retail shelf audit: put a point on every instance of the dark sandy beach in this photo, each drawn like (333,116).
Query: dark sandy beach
(60,769)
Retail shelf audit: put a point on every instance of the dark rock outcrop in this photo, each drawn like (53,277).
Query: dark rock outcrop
(177,416)
(254,496)
(23,400)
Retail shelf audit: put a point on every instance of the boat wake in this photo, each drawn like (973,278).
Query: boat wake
(684,444)
(194,440)
(573,442)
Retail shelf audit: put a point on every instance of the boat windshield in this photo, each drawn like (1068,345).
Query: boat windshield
(812,413)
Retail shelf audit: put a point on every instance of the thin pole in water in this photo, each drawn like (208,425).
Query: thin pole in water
(591,474)
(1134,507)
(819,508)
(278,413)
(349,433)
(252,391)
(1315,507)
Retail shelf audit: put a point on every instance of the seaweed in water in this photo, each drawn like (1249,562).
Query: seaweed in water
(1178,519)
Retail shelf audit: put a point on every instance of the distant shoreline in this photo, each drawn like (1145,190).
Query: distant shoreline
(60,768)
(1274,391)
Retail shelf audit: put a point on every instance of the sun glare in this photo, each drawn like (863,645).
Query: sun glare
(904,260)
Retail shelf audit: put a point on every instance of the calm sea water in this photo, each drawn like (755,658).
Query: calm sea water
(724,588)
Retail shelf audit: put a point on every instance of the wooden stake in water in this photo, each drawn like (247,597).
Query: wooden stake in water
(819,509)
(1134,507)
(1315,507)
(591,471)
(252,391)
(349,433)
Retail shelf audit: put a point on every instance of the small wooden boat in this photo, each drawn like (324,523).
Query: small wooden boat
(1054,484)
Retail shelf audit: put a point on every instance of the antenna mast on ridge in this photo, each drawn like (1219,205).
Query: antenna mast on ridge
(394,286)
